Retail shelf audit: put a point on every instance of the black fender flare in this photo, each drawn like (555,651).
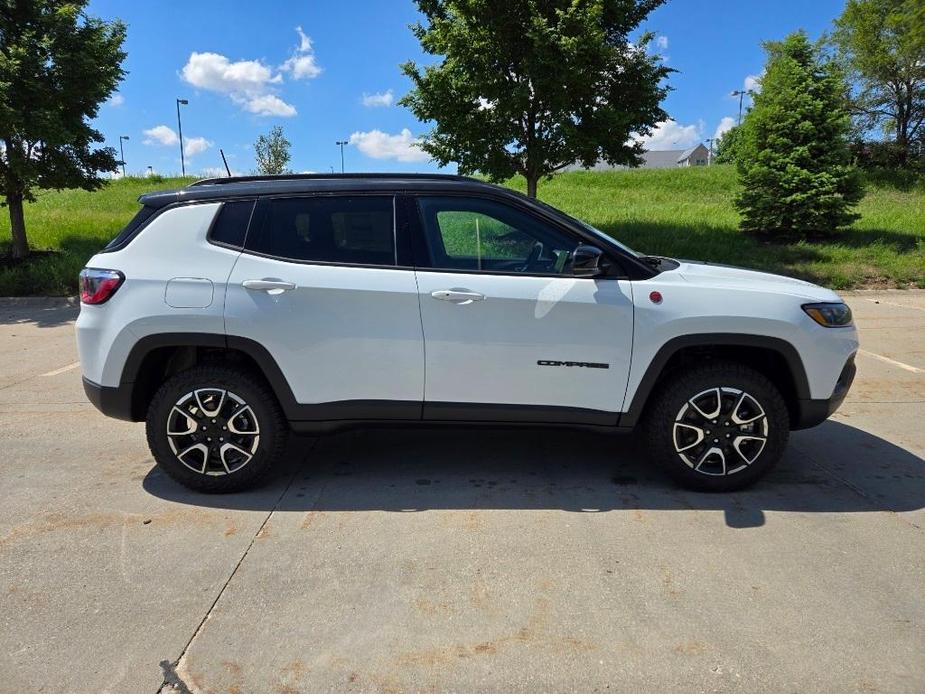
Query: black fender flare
(657,366)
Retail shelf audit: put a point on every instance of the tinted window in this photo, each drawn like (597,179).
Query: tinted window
(473,235)
(231,224)
(124,236)
(356,230)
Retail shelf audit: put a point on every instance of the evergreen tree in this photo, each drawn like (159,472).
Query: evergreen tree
(792,150)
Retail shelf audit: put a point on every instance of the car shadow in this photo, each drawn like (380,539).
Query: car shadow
(405,471)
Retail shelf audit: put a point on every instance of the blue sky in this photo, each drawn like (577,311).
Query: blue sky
(328,71)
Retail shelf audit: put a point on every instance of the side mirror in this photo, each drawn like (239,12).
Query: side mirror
(586,261)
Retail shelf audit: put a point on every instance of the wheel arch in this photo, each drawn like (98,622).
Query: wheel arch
(155,358)
(774,357)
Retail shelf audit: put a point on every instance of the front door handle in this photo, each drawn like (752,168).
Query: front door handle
(270,286)
(457,296)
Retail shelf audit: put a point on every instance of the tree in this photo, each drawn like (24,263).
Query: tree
(882,43)
(530,86)
(57,65)
(726,146)
(272,152)
(793,146)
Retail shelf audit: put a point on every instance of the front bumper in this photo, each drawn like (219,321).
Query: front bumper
(809,413)
(112,402)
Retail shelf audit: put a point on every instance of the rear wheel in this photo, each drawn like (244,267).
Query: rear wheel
(215,429)
(718,427)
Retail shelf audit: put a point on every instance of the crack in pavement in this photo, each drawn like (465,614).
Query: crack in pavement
(172,677)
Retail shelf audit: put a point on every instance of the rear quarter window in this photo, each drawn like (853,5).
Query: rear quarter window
(230,227)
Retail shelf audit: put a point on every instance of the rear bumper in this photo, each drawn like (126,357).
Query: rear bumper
(112,402)
(812,412)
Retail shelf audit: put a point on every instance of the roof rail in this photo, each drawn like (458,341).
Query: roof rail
(336,176)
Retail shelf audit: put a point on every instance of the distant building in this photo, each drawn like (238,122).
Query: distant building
(658,159)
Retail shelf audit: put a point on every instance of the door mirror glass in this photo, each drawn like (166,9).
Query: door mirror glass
(586,261)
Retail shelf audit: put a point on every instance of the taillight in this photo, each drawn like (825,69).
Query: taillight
(98,286)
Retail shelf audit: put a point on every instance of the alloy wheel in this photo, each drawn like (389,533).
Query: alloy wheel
(212,431)
(720,431)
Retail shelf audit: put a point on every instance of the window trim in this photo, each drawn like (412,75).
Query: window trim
(261,206)
(421,243)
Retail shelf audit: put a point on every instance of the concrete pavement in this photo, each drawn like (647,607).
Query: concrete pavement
(460,559)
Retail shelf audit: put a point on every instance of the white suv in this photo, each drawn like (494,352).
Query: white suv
(232,311)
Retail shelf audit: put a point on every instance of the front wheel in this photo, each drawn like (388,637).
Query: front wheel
(215,429)
(718,427)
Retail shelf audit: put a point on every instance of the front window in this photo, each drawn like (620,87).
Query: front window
(476,235)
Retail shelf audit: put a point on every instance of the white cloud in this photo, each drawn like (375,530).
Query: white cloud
(302,65)
(195,145)
(269,105)
(725,125)
(305,43)
(379,145)
(385,98)
(249,83)
(670,134)
(216,73)
(116,100)
(752,82)
(485,104)
(662,43)
(160,135)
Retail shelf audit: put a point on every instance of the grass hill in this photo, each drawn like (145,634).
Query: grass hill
(685,213)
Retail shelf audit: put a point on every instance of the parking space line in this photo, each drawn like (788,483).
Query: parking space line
(62,369)
(887,360)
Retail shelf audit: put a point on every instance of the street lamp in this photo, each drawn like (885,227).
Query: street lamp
(741,93)
(341,143)
(122,152)
(709,151)
(184,102)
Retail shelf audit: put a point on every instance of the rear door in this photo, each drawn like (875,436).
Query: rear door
(319,286)
(510,334)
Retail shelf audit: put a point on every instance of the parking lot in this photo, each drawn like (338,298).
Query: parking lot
(460,559)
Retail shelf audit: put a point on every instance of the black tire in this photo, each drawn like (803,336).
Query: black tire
(262,432)
(696,467)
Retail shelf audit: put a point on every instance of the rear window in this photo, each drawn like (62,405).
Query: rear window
(124,236)
(231,223)
(355,230)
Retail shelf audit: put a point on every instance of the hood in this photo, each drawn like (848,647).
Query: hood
(736,277)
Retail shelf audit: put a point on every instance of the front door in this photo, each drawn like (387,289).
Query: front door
(509,333)
(318,285)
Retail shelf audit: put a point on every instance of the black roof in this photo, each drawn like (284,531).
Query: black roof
(242,186)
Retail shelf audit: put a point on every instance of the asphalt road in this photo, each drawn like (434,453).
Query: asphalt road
(460,559)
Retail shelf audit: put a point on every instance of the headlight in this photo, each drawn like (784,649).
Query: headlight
(829,315)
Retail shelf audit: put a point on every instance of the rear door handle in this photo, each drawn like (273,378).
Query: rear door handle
(457,296)
(270,286)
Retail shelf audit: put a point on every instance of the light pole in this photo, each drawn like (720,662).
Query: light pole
(122,152)
(709,151)
(341,143)
(184,102)
(741,93)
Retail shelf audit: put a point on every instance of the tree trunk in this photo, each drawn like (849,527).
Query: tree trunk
(20,246)
(531,185)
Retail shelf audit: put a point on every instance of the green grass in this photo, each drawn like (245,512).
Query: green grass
(684,213)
